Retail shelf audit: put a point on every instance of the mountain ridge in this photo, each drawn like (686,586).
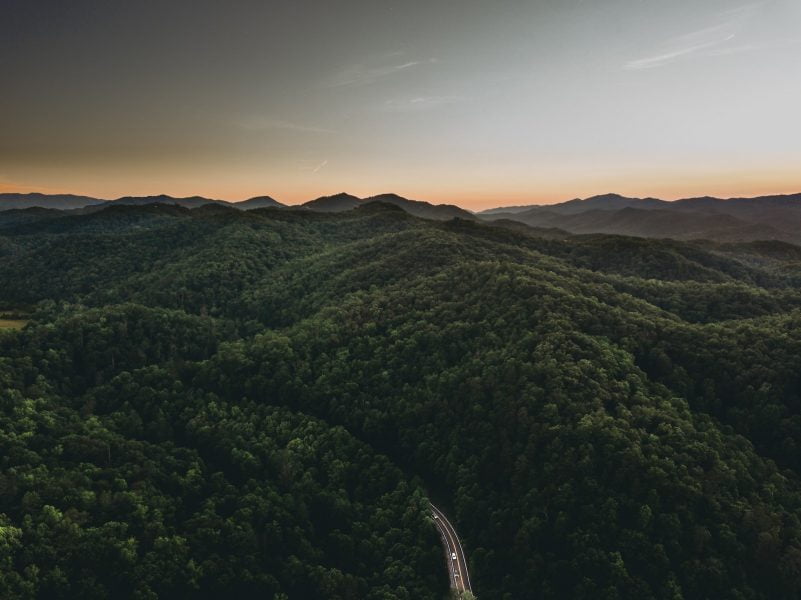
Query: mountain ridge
(776,217)
(614,200)
(607,201)
(17,201)
(737,219)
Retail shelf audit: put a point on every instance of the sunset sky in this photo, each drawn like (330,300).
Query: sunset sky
(477,103)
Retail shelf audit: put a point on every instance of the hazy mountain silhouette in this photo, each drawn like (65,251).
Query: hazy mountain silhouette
(426,210)
(71,202)
(775,217)
(189,202)
(734,219)
(12,201)
(335,203)
(577,205)
(258,202)
(507,210)
(608,202)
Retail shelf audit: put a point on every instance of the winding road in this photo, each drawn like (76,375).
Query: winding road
(457,562)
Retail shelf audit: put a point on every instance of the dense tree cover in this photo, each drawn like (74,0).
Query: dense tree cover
(119,480)
(260,403)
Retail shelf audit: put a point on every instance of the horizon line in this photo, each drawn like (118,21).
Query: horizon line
(363,198)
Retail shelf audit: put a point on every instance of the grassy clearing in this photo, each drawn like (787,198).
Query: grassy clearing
(12,323)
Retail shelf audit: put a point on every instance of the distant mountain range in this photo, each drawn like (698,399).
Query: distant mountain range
(336,203)
(440,212)
(259,202)
(426,210)
(56,201)
(70,202)
(731,220)
(728,220)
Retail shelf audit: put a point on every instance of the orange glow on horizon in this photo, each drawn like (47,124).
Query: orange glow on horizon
(479,197)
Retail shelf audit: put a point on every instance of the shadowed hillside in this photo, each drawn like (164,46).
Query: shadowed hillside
(736,219)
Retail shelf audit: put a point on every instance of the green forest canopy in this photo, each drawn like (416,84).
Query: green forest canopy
(211,402)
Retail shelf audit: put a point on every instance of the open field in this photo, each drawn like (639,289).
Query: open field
(12,323)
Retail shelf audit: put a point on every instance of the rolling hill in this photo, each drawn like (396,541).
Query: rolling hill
(11,201)
(335,203)
(725,220)
(69,202)
(258,202)
(426,210)
(736,219)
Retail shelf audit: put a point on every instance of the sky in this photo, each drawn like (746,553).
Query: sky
(476,103)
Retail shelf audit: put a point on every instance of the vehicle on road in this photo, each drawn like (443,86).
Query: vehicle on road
(457,568)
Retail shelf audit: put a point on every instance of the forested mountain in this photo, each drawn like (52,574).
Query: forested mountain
(258,202)
(735,219)
(426,210)
(655,223)
(9,201)
(732,220)
(69,202)
(335,203)
(188,202)
(215,402)
(601,202)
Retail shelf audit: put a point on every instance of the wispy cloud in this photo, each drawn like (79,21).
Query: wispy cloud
(707,41)
(311,166)
(669,57)
(756,46)
(363,74)
(417,103)
(267,123)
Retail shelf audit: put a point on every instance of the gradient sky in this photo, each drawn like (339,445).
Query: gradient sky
(478,103)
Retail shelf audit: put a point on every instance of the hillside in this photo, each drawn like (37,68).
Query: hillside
(69,202)
(216,402)
(258,202)
(736,219)
(9,201)
(425,210)
(336,203)
(653,223)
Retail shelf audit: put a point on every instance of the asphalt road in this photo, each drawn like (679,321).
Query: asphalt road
(457,567)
